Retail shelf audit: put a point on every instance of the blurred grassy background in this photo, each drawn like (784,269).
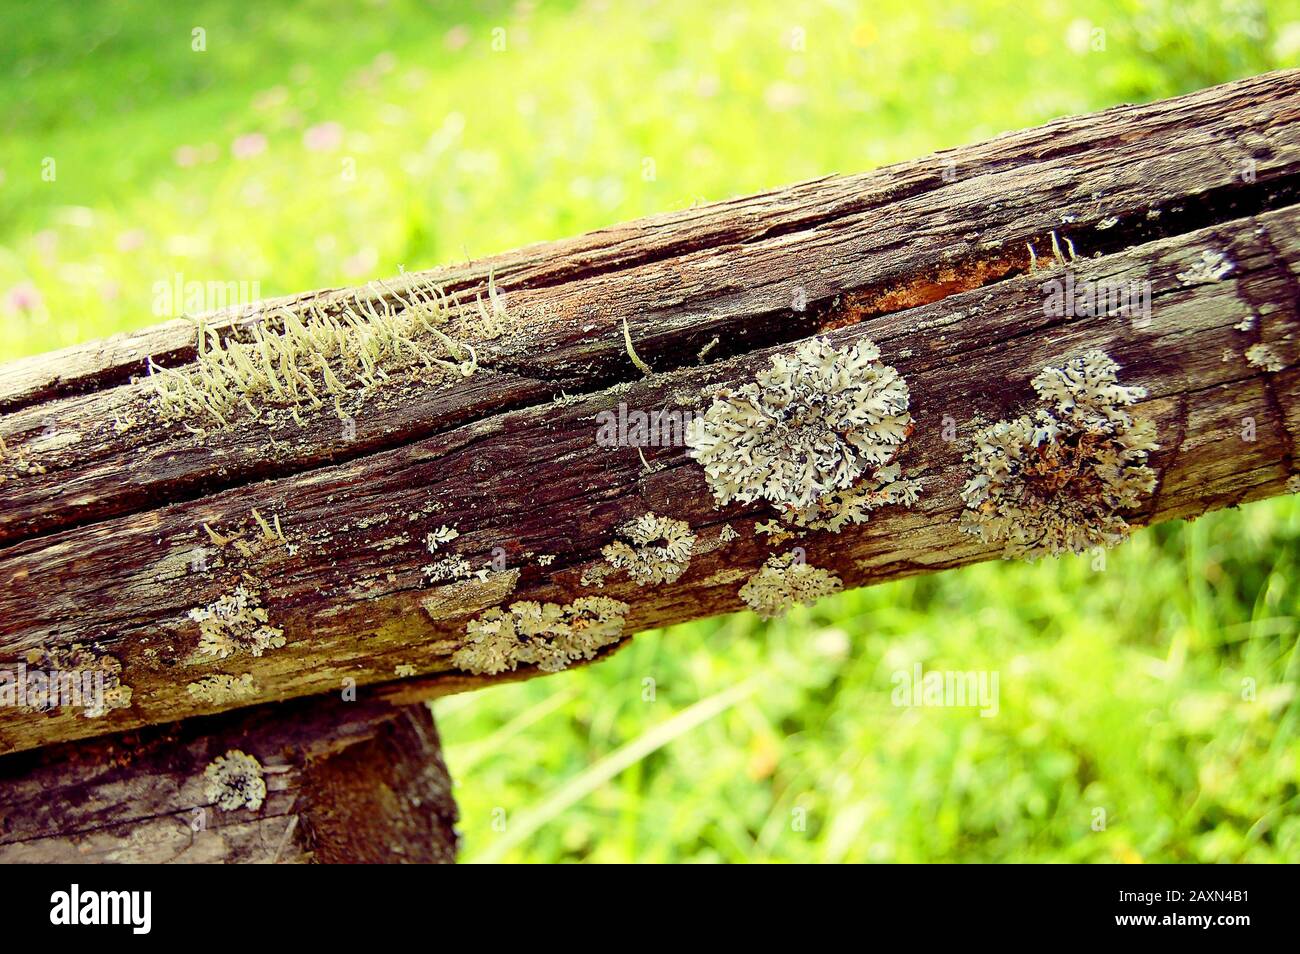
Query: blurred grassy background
(475,128)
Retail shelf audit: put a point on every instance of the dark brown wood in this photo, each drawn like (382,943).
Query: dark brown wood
(346,782)
(930,260)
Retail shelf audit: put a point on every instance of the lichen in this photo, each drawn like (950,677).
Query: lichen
(1211,266)
(656,549)
(234,780)
(403,670)
(728,533)
(234,624)
(452,567)
(787,580)
(1263,356)
(222,688)
(436,538)
(820,423)
(303,358)
(83,659)
(1293,484)
(1057,481)
(547,635)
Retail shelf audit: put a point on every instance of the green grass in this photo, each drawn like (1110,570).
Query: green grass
(1120,689)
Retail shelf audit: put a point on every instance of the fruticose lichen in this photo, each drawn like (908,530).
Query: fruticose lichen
(234,780)
(235,624)
(547,635)
(784,581)
(222,688)
(295,359)
(1057,481)
(657,549)
(814,435)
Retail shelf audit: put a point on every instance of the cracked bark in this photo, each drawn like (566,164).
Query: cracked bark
(100,549)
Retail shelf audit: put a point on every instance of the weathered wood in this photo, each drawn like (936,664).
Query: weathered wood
(99,549)
(345,782)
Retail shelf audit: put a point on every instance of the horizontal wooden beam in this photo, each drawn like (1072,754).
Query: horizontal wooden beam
(122,530)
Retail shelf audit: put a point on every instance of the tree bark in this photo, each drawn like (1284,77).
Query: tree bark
(345,783)
(104,543)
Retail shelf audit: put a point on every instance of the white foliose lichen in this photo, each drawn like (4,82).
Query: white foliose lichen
(235,624)
(436,538)
(234,780)
(787,580)
(656,550)
(1211,266)
(547,635)
(1056,482)
(820,423)
(452,567)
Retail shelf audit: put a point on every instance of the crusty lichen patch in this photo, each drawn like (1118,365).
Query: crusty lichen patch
(234,780)
(105,671)
(222,688)
(787,580)
(655,549)
(235,624)
(1057,482)
(814,435)
(547,635)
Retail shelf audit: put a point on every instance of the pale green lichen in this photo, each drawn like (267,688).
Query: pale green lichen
(1056,482)
(304,358)
(821,423)
(787,580)
(655,549)
(403,670)
(234,780)
(235,624)
(547,635)
(1264,357)
(222,688)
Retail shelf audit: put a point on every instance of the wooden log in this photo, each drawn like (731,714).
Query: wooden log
(942,262)
(345,782)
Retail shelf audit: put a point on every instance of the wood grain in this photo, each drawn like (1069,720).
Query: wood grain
(100,549)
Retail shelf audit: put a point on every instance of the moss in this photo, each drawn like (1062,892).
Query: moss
(656,549)
(222,688)
(547,635)
(235,624)
(234,780)
(820,424)
(784,581)
(1056,482)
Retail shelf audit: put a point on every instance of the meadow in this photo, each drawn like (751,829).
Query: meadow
(1147,707)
